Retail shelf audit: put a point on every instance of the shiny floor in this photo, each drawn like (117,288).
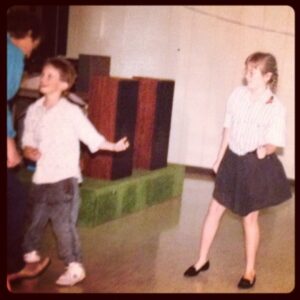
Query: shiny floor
(148,251)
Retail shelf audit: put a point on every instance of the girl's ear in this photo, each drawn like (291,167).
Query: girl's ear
(268,76)
(64,85)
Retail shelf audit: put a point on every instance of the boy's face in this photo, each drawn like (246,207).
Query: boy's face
(29,44)
(50,82)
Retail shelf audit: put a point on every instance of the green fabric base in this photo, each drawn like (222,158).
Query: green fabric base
(103,200)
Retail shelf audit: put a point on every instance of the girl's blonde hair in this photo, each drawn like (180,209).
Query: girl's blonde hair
(267,63)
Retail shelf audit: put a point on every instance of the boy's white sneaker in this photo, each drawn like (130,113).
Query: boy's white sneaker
(32,257)
(74,274)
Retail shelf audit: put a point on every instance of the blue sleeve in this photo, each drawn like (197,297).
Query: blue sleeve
(9,125)
(14,72)
(14,68)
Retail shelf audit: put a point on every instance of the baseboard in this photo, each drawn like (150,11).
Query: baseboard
(209,172)
(199,170)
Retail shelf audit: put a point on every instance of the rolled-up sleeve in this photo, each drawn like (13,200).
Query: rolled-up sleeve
(86,131)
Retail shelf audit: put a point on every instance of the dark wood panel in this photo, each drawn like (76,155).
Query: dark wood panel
(54,21)
(89,66)
(125,126)
(162,124)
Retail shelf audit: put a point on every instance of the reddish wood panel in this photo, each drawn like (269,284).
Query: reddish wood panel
(112,110)
(154,110)
(145,123)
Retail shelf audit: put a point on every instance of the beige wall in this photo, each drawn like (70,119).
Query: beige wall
(203,49)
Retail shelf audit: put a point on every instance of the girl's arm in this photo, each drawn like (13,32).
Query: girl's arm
(265,150)
(222,149)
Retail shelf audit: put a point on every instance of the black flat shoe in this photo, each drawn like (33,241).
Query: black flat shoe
(191,271)
(246,283)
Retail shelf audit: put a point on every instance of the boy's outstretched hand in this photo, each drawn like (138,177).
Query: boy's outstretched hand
(121,145)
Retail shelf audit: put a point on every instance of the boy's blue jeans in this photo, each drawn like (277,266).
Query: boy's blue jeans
(58,202)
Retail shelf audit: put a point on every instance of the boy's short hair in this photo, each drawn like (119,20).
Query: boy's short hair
(20,21)
(66,70)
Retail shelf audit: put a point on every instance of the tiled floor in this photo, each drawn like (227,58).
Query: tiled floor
(148,251)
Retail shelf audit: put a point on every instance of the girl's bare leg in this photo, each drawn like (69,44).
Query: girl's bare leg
(211,224)
(251,229)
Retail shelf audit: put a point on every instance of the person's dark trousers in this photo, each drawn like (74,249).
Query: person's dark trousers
(16,207)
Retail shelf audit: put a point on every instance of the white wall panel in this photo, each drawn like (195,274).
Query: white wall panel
(203,48)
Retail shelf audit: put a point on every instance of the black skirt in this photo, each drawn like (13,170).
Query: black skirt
(245,183)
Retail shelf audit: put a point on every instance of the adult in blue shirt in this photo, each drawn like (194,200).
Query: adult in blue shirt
(23,36)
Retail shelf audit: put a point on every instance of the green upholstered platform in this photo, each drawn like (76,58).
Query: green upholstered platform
(103,200)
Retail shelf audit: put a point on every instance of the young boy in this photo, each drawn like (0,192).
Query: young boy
(52,133)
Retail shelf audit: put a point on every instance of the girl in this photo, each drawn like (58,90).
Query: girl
(249,174)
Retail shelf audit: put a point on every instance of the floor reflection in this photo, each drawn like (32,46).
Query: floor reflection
(148,251)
